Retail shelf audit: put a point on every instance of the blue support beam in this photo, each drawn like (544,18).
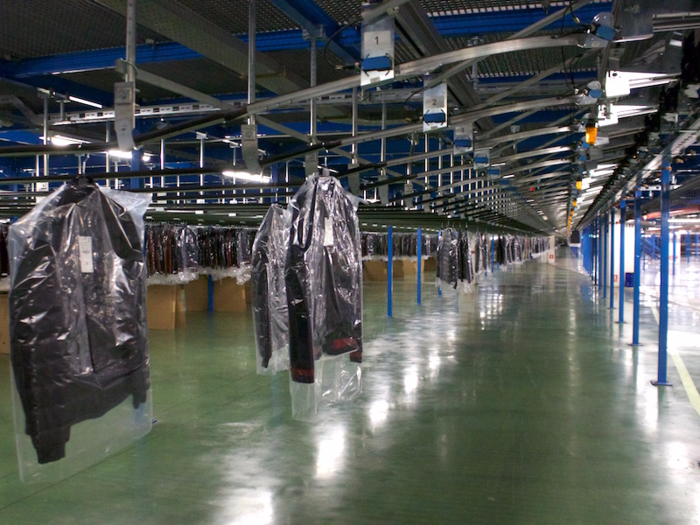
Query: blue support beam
(605,256)
(674,252)
(419,268)
(601,272)
(623,209)
(687,247)
(612,259)
(390,271)
(661,379)
(637,264)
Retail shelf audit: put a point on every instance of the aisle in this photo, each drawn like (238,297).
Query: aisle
(518,404)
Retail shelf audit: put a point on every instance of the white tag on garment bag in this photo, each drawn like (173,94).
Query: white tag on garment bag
(328,232)
(85,249)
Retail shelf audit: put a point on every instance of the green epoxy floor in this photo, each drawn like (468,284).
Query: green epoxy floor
(521,403)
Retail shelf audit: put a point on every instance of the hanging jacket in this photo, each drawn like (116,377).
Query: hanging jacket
(269,301)
(77,312)
(448,257)
(323,275)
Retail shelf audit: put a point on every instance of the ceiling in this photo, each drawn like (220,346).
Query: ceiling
(525,83)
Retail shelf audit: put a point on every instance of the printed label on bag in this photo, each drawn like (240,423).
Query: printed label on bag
(85,248)
(328,233)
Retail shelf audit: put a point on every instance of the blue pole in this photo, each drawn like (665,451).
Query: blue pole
(210,294)
(637,264)
(600,253)
(605,257)
(663,301)
(697,245)
(687,247)
(653,247)
(674,253)
(419,269)
(612,259)
(390,271)
(623,210)
(492,256)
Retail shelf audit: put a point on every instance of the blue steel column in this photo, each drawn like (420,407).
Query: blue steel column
(600,253)
(637,264)
(419,269)
(389,270)
(674,252)
(663,292)
(605,257)
(687,247)
(697,245)
(612,259)
(623,210)
(492,254)
(653,247)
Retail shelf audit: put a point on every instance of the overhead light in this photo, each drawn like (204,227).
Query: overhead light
(243,175)
(685,221)
(591,133)
(146,157)
(119,154)
(59,140)
(86,102)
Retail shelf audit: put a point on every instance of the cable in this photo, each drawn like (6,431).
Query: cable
(333,37)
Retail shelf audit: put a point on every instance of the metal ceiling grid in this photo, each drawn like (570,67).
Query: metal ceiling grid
(232,15)
(299,62)
(35,28)
(202,74)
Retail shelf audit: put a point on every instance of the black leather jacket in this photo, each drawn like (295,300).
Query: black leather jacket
(323,275)
(77,313)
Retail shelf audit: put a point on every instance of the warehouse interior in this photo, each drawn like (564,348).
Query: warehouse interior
(549,147)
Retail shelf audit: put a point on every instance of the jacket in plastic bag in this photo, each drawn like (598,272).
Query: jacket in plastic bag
(448,254)
(323,275)
(270,315)
(78,310)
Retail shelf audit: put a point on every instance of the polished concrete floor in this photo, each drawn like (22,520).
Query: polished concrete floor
(519,404)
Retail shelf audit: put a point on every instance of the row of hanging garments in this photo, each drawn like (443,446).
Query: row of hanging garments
(178,253)
(463,256)
(404,245)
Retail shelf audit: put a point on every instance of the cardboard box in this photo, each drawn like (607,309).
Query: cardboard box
(4,324)
(398,269)
(161,307)
(229,296)
(180,308)
(197,295)
(374,271)
(249,292)
(409,267)
(430,265)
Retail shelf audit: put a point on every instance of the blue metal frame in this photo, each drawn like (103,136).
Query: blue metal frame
(687,247)
(623,209)
(612,259)
(663,291)
(637,264)
(605,257)
(419,269)
(674,252)
(601,272)
(390,270)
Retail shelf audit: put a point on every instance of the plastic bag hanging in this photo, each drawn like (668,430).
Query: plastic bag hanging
(323,275)
(78,321)
(269,301)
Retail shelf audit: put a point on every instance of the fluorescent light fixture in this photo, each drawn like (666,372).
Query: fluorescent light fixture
(231,214)
(508,177)
(146,157)
(86,102)
(59,140)
(685,221)
(242,175)
(119,154)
